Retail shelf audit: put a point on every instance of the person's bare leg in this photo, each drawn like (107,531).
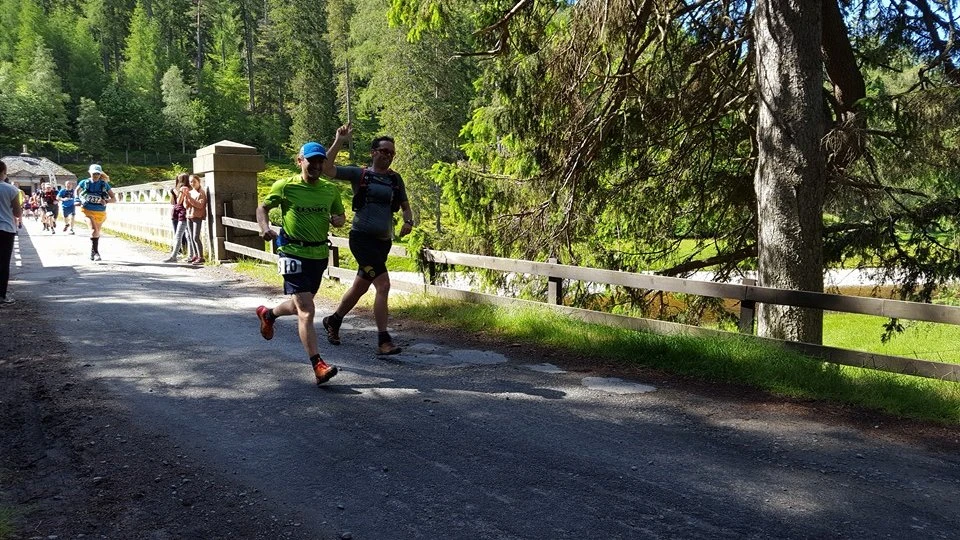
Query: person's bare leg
(381,310)
(350,298)
(306,310)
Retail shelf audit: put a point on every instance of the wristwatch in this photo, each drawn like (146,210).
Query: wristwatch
(408,222)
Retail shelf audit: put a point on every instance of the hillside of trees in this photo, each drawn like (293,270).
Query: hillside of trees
(676,135)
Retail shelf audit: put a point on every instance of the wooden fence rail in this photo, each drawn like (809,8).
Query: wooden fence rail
(748,294)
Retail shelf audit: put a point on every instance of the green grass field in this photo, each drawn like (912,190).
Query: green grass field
(927,341)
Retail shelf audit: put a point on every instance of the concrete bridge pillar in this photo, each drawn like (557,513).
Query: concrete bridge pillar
(229,173)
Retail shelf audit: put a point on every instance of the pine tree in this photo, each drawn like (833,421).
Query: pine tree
(30,33)
(37,107)
(10,15)
(178,106)
(313,111)
(91,128)
(141,67)
(223,87)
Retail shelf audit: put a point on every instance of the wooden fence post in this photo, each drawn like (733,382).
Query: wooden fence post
(748,310)
(431,267)
(554,287)
(227,211)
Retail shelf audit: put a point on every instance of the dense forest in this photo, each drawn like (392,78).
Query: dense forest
(674,135)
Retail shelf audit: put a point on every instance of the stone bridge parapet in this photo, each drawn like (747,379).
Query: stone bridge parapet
(229,172)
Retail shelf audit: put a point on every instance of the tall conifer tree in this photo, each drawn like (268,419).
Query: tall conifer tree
(141,67)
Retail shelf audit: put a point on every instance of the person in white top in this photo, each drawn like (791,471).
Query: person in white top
(10,212)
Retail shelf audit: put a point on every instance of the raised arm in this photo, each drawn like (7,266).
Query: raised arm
(344,133)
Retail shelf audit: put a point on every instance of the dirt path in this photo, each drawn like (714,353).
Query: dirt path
(75,462)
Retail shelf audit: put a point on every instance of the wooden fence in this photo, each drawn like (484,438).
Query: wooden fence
(747,294)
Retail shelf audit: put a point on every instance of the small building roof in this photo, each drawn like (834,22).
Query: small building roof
(28,170)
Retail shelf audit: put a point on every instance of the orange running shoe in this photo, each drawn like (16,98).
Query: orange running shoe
(266,326)
(324,372)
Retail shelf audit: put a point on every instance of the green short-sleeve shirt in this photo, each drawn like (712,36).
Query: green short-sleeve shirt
(306,210)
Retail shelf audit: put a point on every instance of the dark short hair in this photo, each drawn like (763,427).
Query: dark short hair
(3,165)
(376,142)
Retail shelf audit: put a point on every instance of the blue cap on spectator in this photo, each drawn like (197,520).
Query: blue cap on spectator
(312,149)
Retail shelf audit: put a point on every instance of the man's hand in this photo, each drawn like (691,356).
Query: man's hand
(338,220)
(268,235)
(344,133)
(405,230)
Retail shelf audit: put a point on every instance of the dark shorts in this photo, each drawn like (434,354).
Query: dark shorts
(301,275)
(371,254)
(52,209)
(69,211)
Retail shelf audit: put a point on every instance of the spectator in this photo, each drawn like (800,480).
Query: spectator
(196,212)
(179,215)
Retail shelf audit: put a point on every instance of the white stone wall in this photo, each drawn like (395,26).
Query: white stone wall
(143,211)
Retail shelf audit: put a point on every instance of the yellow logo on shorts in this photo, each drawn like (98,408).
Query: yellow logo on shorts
(368,270)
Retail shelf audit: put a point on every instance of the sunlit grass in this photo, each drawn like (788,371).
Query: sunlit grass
(927,341)
(6,527)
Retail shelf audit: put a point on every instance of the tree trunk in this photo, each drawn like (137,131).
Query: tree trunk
(248,54)
(198,63)
(790,174)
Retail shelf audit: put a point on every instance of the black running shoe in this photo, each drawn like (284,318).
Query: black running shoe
(333,333)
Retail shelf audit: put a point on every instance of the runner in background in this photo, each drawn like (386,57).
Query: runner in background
(51,209)
(96,193)
(67,198)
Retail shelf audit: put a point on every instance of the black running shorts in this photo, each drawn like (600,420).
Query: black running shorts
(301,275)
(371,254)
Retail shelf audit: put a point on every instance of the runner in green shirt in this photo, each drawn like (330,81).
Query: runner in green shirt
(308,205)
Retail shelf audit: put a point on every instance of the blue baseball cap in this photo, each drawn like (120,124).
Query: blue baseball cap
(312,149)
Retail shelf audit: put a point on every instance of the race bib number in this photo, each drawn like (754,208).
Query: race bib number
(287,266)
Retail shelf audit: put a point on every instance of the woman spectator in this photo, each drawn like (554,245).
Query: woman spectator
(175,211)
(196,203)
(178,215)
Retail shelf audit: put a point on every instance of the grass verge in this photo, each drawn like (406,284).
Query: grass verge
(6,518)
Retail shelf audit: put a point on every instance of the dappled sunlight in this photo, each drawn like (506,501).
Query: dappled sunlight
(387,393)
